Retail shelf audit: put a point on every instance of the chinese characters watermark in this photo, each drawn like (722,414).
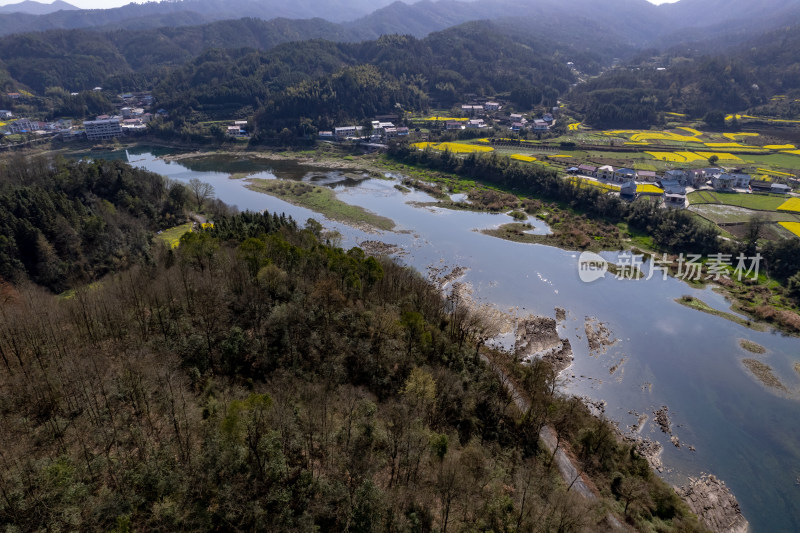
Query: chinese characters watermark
(687,267)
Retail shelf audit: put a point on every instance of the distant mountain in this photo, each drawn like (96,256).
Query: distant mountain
(176,13)
(706,13)
(38,60)
(30,7)
(631,21)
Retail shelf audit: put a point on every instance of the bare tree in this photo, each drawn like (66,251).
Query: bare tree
(201,191)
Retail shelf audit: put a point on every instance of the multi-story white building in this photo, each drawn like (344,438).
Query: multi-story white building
(102,130)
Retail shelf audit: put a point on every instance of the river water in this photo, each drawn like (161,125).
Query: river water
(667,354)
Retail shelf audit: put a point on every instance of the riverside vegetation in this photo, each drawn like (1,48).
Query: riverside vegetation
(257,378)
(775,299)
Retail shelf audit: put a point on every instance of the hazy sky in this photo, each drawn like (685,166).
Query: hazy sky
(98,4)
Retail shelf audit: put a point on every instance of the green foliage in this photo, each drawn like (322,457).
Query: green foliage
(66,222)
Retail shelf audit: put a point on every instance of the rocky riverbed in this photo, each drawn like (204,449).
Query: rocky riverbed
(714,504)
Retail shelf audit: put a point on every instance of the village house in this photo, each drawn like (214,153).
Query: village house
(648,175)
(22,125)
(780,188)
(677,175)
(741,180)
(14,96)
(675,200)
(475,124)
(403,131)
(672,187)
(453,125)
(547,117)
(517,126)
(325,135)
(761,186)
(696,178)
(723,182)
(347,132)
(625,174)
(492,106)
(540,125)
(4,113)
(472,110)
(102,129)
(628,190)
(606,172)
(587,170)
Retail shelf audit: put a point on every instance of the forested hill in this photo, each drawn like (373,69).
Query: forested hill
(760,74)
(256,379)
(328,82)
(66,223)
(82,59)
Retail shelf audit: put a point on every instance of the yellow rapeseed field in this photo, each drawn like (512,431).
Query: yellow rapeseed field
(647,188)
(584,182)
(792,204)
(456,148)
(793,152)
(574,127)
(560,155)
(726,145)
(733,136)
(446,119)
(670,157)
(675,114)
(766,170)
(794,227)
(781,147)
(696,133)
(523,157)
(663,136)
(723,156)
(691,157)
(423,145)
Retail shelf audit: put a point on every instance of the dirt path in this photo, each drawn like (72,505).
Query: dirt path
(570,473)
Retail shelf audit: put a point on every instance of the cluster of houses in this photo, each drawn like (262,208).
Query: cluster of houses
(675,183)
(130,119)
(238,129)
(25,125)
(490,111)
(382,128)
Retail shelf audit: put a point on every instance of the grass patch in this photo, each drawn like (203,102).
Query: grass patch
(757,202)
(570,232)
(172,236)
(321,200)
(752,347)
(700,305)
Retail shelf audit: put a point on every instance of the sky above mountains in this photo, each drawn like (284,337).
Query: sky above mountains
(104,4)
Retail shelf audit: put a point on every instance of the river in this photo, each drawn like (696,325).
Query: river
(667,354)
